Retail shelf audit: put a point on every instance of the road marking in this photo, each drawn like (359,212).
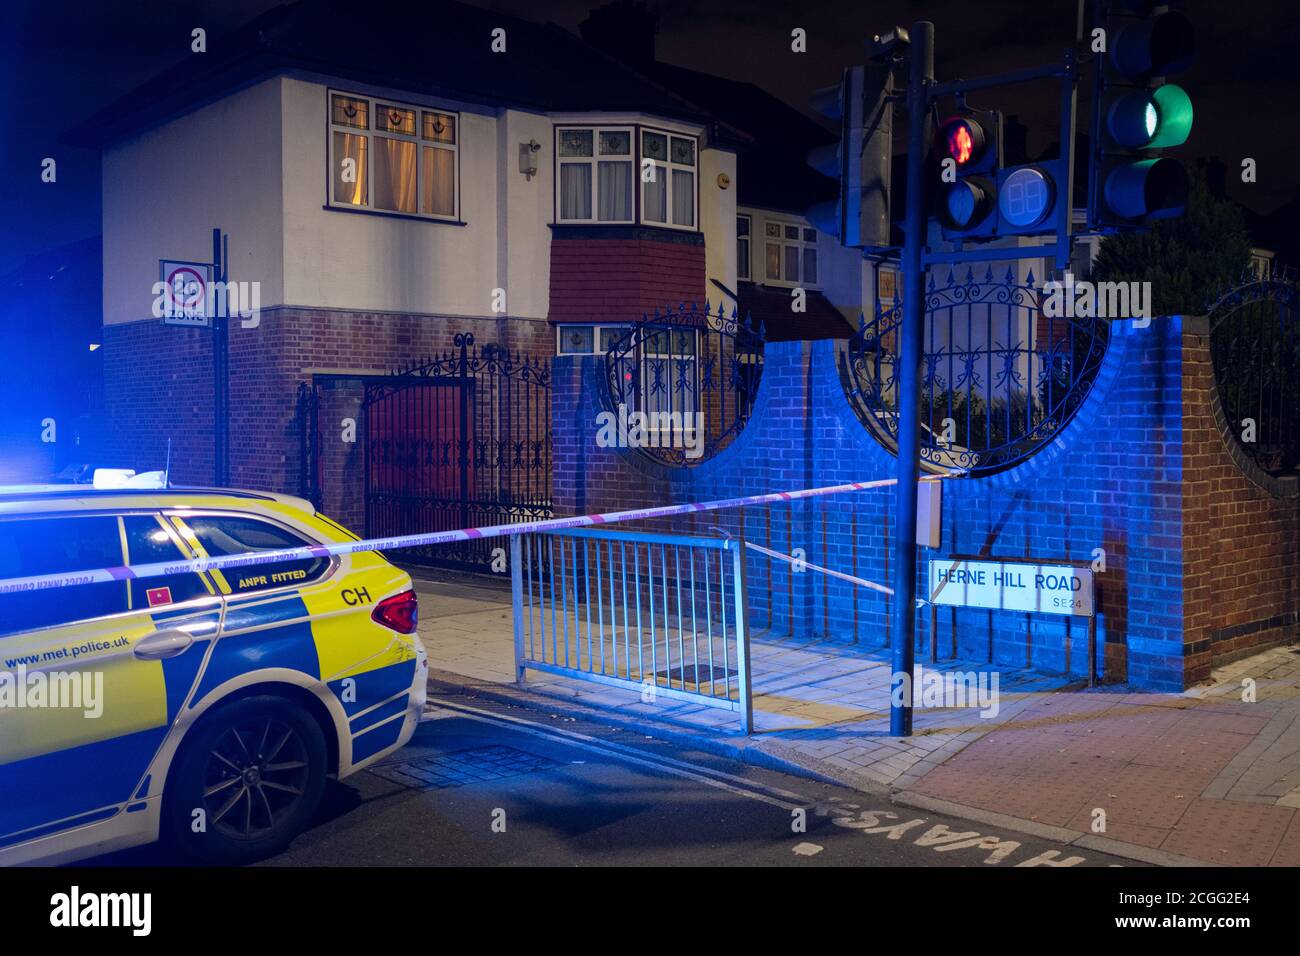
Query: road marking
(938,838)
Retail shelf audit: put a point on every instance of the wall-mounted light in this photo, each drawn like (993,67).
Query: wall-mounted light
(528,157)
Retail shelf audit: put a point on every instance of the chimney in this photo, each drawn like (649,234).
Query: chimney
(625,29)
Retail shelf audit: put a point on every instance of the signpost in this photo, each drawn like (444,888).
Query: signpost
(189,285)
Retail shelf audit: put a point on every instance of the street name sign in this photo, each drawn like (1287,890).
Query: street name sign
(1012,586)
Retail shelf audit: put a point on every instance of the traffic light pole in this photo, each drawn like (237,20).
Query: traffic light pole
(920,79)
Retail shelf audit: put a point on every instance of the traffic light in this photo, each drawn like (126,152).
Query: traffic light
(968,152)
(1138,114)
(859,161)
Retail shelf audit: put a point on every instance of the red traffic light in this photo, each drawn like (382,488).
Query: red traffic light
(963,140)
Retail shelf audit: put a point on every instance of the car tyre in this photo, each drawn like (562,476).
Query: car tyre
(247,779)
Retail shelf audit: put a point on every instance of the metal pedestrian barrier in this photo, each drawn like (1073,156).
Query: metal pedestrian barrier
(659,614)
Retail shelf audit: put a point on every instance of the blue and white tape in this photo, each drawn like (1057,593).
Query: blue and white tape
(159,569)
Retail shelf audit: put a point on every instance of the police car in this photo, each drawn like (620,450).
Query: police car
(207,709)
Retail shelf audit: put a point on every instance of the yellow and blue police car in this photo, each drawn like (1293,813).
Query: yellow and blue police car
(207,709)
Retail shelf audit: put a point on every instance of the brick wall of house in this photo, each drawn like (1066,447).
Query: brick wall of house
(158,383)
(620,280)
(1110,481)
(1241,528)
(158,386)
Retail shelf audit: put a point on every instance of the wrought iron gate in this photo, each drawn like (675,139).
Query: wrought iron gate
(1255,348)
(458,441)
(1001,376)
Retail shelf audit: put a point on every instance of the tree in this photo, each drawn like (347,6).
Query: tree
(1189,260)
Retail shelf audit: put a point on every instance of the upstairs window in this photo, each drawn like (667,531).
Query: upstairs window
(790,254)
(595,175)
(668,197)
(392,157)
(597,169)
(742,246)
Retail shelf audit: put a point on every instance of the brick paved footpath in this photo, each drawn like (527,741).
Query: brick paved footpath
(1201,776)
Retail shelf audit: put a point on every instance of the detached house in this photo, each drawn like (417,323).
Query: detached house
(392,178)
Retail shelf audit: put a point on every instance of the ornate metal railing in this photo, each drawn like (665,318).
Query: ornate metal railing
(458,440)
(681,385)
(1000,377)
(1255,350)
(309,457)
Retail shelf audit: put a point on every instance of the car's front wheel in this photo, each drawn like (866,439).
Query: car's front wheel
(247,780)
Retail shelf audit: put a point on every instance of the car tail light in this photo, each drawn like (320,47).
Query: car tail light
(401,612)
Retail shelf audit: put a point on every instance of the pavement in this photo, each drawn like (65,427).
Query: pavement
(1209,776)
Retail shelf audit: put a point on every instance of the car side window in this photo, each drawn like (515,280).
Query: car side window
(229,534)
(31,546)
(147,542)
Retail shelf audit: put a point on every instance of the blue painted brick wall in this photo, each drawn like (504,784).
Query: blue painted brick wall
(1110,480)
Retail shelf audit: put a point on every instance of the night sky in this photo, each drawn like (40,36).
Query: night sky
(60,60)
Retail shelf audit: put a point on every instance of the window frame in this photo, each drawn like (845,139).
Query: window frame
(637,130)
(213,597)
(747,275)
(784,243)
(177,517)
(596,327)
(669,167)
(372,134)
(593,161)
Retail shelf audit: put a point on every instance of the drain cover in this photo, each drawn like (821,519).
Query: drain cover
(461,767)
(698,674)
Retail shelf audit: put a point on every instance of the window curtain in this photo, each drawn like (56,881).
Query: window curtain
(439,187)
(575,190)
(615,192)
(655,197)
(350,146)
(683,198)
(394,175)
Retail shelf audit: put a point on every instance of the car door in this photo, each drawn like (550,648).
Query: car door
(298,615)
(95,673)
(267,625)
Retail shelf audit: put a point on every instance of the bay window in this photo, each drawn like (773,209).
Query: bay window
(390,157)
(595,178)
(596,168)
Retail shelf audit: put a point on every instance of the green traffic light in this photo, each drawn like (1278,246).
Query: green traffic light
(1173,108)
(1151,119)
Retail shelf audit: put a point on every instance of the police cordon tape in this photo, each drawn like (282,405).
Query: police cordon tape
(40,582)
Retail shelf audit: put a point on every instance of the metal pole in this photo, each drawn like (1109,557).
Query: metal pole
(220,372)
(1092,647)
(517,602)
(921,77)
(743,676)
